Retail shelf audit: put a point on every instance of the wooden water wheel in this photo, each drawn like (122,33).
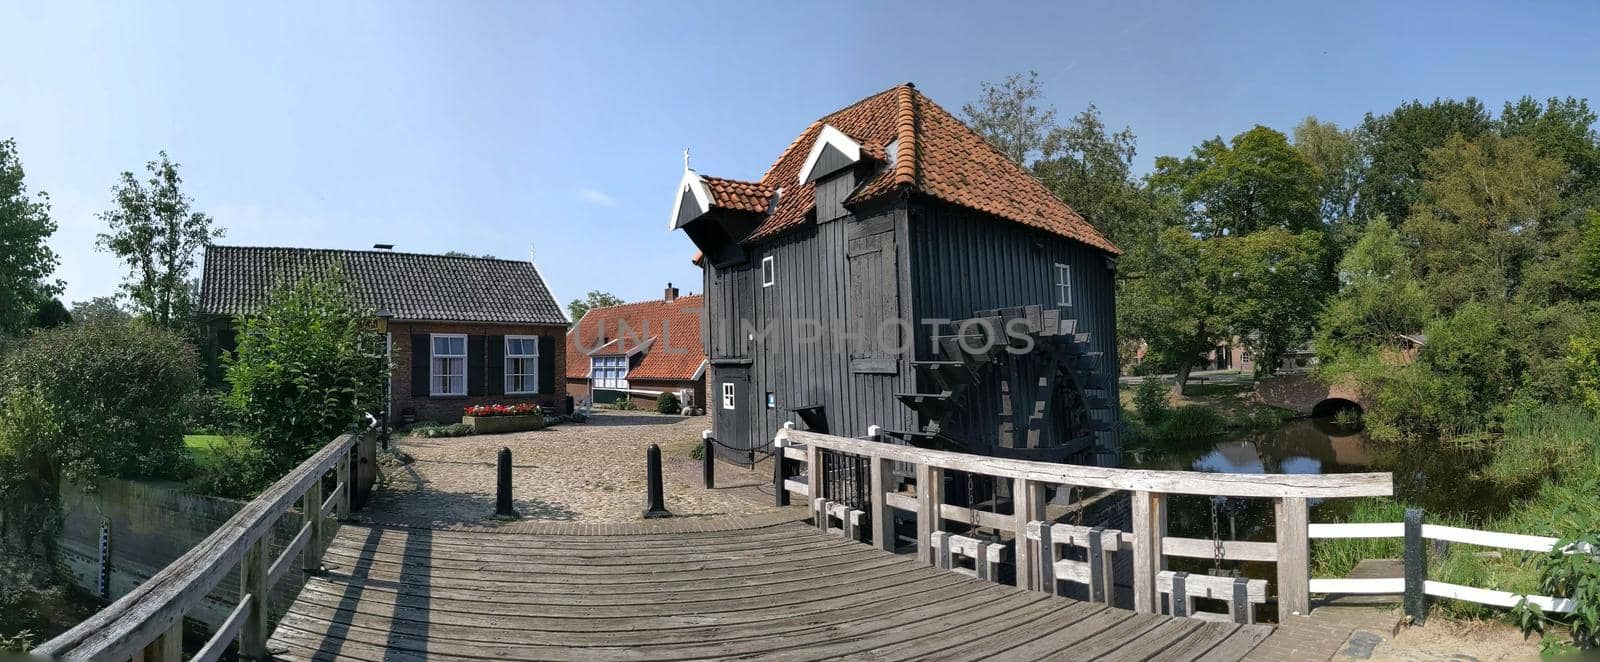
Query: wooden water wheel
(1015,382)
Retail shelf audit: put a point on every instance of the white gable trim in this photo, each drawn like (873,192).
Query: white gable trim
(829,136)
(702,196)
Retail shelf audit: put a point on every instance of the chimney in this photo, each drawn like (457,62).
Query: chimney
(671,293)
(383,247)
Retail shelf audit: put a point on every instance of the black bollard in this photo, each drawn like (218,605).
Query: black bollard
(655,505)
(708,460)
(502,492)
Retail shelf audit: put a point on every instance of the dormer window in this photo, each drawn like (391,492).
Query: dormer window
(833,151)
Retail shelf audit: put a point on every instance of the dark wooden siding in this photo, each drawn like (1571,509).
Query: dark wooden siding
(808,301)
(963,261)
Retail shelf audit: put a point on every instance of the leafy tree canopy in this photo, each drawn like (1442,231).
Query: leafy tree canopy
(1397,144)
(153,229)
(595,299)
(1256,181)
(26,261)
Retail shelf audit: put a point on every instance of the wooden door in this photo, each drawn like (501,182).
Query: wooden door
(872,297)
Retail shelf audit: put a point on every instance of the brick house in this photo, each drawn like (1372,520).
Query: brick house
(640,349)
(461,330)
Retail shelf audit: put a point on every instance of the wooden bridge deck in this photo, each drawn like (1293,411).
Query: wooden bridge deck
(781,592)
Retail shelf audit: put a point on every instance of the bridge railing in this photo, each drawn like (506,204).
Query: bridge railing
(1035,557)
(147,623)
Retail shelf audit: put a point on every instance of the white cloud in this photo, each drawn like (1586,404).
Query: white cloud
(595,197)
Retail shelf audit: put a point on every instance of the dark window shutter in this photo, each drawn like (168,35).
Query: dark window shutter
(547,364)
(497,365)
(475,365)
(421,351)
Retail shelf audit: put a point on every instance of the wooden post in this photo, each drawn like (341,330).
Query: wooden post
(1416,568)
(311,504)
(930,496)
(168,647)
(708,460)
(1027,505)
(1294,556)
(882,514)
(814,480)
(780,494)
(1149,526)
(253,583)
(341,507)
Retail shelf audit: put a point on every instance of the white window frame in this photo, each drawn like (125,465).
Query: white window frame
(533,377)
(769,272)
(610,364)
(729,395)
(1063,284)
(433,358)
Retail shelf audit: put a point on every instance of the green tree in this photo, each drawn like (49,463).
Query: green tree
(1396,147)
(1273,286)
(1559,128)
(1379,297)
(99,309)
(1251,183)
(154,230)
(26,261)
(1335,155)
(308,366)
(1487,206)
(1010,116)
(51,314)
(595,299)
(1168,298)
(1091,169)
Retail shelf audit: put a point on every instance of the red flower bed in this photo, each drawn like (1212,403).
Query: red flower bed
(521,409)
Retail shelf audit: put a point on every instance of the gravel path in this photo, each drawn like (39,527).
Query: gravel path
(573,472)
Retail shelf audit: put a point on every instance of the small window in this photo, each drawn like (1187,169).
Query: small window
(1063,284)
(609,371)
(449,365)
(522,364)
(772,401)
(727,396)
(769,275)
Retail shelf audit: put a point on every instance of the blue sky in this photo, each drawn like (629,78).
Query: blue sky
(503,127)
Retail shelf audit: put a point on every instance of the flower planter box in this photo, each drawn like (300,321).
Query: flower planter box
(499,424)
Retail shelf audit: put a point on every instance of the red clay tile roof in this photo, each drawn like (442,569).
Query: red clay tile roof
(672,329)
(937,155)
(734,194)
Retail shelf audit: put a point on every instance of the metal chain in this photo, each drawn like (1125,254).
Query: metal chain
(972,508)
(1216,538)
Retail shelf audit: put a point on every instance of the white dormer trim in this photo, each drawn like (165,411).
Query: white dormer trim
(702,196)
(829,136)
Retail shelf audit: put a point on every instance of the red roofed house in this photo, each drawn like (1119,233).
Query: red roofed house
(880,274)
(640,349)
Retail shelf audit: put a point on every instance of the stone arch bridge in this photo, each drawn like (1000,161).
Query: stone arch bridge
(1308,396)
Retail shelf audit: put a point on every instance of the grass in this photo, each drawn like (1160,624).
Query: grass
(202,447)
(1237,404)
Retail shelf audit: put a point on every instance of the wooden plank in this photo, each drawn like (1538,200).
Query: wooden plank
(1027,505)
(1294,555)
(985,518)
(930,495)
(901,501)
(310,508)
(1237,645)
(814,470)
(1496,598)
(1208,586)
(226,633)
(1063,615)
(1149,522)
(1197,640)
(1488,538)
(254,631)
(797,487)
(1182,482)
(1361,530)
(1232,550)
(882,481)
(290,554)
(1059,643)
(168,647)
(1359,586)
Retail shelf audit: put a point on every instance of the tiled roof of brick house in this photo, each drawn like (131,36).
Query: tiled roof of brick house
(407,286)
(922,148)
(669,329)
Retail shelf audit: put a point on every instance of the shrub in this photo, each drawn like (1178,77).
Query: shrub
(206,411)
(667,403)
(1150,399)
(1189,423)
(30,472)
(624,403)
(445,430)
(307,367)
(239,470)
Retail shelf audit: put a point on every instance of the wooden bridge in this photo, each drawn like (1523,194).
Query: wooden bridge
(781,591)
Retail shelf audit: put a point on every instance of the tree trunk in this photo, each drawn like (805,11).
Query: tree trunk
(1183,376)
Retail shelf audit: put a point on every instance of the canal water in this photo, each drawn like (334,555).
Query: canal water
(1432,475)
